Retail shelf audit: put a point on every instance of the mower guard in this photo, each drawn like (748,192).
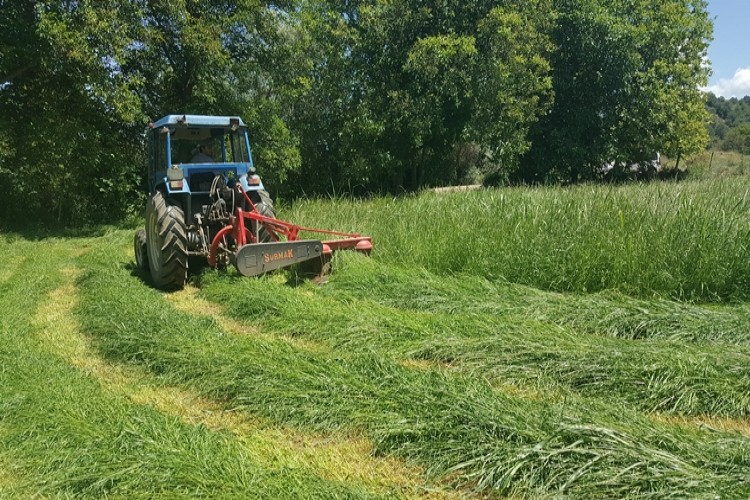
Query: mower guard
(252,257)
(259,258)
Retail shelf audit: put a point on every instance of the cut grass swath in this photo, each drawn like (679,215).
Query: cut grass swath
(667,376)
(68,436)
(456,425)
(608,312)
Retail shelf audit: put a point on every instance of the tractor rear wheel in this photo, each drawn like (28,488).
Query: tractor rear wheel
(265,205)
(141,251)
(265,208)
(166,243)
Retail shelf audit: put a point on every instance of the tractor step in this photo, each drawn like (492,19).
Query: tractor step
(258,258)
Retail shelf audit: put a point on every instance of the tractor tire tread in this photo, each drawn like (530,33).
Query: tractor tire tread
(171,271)
(265,208)
(141,250)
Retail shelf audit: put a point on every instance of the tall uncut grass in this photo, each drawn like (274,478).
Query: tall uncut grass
(685,240)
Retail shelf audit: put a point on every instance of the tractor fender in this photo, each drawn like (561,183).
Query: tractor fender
(251,182)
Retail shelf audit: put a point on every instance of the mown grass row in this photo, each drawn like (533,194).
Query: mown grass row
(666,376)
(607,313)
(63,434)
(684,240)
(457,425)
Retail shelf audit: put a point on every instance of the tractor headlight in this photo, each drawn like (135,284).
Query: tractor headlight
(176,177)
(252,178)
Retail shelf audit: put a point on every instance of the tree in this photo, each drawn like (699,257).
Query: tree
(726,115)
(219,57)
(63,104)
(324,100)
(626,84)
(738,139)
(414,81)
(80,80)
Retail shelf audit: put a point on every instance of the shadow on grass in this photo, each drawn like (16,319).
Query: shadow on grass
(198,269)
(196,272)
(40,234)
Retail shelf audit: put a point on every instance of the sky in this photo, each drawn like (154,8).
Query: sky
(729,52)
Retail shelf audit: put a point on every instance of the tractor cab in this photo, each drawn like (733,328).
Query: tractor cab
(207,203)
(187,152)
(192,159)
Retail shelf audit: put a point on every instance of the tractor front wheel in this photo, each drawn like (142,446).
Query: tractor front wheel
(166,243)
(141,251)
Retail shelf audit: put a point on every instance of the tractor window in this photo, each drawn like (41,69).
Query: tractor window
(186,142)
(183,150)
(227,145)
(160,152)
(237,147)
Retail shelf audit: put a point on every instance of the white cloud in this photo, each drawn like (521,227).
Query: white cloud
(737,86)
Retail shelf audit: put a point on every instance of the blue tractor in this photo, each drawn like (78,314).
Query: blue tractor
(207,205)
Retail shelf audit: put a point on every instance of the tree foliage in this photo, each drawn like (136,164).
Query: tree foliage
(627,77)
(738,139)
(358,96)
(727,116)
(67,115)
(405,85)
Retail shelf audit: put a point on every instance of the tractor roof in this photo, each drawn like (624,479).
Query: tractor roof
(199,120)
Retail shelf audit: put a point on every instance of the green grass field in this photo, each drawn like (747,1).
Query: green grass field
(713,164)
(586,342)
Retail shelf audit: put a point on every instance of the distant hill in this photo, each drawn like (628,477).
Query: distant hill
(730,122)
